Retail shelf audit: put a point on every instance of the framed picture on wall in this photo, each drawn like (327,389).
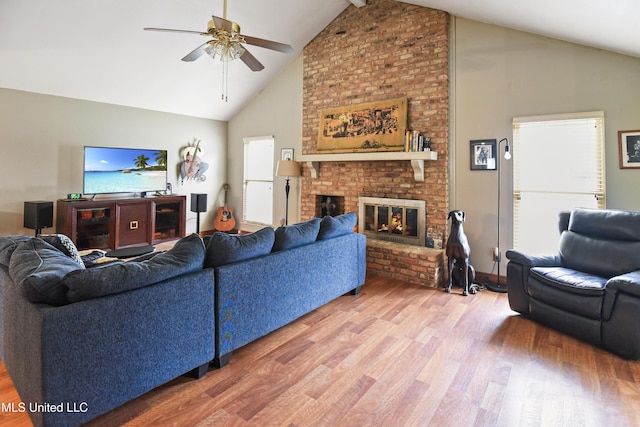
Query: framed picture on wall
(483,154)
(368,127)
(629,144)
(286,154)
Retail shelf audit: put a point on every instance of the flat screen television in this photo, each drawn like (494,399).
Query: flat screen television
(124,170)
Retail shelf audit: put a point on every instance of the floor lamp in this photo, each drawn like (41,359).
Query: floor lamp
(498,287)
(287,168)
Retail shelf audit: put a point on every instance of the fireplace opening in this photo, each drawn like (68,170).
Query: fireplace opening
(329,205)
(392,220)
(396,220)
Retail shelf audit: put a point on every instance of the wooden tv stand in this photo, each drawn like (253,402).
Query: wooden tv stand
(118,223)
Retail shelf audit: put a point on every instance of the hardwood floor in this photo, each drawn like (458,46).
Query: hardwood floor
(397,355)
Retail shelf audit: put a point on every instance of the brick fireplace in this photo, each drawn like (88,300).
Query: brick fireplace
(384,50)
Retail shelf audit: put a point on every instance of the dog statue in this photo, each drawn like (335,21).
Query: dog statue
(461,272)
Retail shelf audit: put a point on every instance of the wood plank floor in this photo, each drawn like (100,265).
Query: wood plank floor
(397,355)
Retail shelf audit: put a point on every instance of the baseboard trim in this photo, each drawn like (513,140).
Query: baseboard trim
(490,281)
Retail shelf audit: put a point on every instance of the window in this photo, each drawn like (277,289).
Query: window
(558,165)
(257,192)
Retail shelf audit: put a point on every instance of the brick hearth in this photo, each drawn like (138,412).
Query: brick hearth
(412,264)
(383,51)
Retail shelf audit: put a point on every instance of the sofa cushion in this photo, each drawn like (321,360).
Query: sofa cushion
(224,248)
(568,290)
(38,269)
(602,257)
(292,236)
(8,244)
(64,245)
(606,223)
(334,226)
(570,280)
(186,256)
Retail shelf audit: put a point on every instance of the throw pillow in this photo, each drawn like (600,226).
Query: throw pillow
(291,236)
(8,244)
(226,248)
(334,226)
(38,269)
(64,244)
(186,256)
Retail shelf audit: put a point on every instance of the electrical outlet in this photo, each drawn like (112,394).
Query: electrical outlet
(496,254)
(437,243)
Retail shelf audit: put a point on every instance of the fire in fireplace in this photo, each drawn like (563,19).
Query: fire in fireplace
(396,220)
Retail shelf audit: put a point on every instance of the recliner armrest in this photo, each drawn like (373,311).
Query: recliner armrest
(534,261)
(628,283)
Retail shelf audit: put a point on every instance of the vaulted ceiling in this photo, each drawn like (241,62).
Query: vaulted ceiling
(97,50)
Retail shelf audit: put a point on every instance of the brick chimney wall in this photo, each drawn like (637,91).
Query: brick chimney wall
(384,50)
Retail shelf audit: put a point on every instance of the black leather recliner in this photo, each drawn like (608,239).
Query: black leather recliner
(590,289)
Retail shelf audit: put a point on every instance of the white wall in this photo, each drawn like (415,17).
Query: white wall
(276,111)
(500,74)
(42,139)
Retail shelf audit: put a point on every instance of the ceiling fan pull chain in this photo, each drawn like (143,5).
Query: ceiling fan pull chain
(225,81)
(222,82)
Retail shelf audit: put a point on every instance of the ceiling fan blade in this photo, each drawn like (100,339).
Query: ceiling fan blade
(268,44)
(169,30)
(196,53)
(223,24)
(251,61)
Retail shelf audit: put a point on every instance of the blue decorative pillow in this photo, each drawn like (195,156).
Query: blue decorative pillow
(38,269)
(63,244)
(186,256)
(334,226)
(224,248)
(295,235)
(8,244)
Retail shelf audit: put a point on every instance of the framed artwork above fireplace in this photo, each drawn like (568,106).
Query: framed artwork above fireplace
(374,126)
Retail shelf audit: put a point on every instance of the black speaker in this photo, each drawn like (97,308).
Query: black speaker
(198,202)
(38,215)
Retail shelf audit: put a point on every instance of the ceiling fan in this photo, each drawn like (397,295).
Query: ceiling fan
(227,42)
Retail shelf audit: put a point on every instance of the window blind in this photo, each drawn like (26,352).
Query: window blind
(558,164)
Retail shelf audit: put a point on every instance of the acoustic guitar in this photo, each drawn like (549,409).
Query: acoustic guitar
(224,219)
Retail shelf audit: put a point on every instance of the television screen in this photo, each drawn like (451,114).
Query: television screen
(124,170)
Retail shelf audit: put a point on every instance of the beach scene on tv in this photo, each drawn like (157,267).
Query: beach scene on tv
(124,170)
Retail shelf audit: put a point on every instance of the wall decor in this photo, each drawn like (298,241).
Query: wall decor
(192,167)
(373,126)
(629,145)
(483,154)
(286,154)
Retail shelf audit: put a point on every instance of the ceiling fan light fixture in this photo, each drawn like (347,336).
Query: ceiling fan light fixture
(210,50)
(226,51)
(229,51)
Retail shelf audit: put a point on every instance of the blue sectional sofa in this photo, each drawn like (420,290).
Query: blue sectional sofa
(71,362)
(262,293)
(78,342)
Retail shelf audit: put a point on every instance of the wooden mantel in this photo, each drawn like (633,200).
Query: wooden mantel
(416,158)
